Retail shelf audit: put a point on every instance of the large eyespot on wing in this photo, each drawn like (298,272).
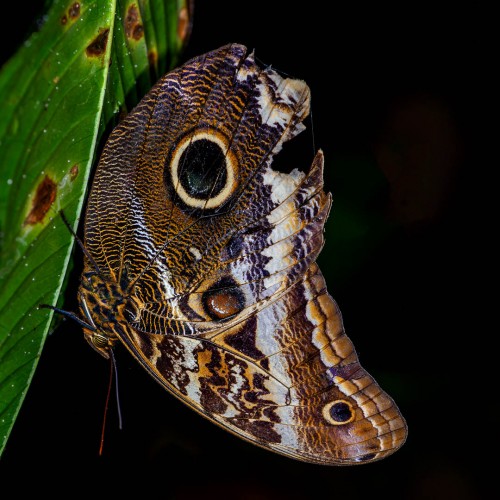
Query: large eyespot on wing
(202,170)
(338,412)
(220,301)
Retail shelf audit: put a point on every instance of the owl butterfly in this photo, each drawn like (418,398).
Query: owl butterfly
(200,260)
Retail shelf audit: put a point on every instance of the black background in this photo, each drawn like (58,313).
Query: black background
(395,94)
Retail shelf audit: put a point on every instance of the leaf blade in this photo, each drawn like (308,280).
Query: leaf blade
(46,163)
(55,110)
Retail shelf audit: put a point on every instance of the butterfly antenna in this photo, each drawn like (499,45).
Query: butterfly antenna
(106,405)
(112,371)
(313,135)
(70,315)
(118,405)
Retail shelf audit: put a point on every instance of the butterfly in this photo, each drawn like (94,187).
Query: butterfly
(200,260)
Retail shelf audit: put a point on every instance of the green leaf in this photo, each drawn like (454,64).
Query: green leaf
(63,89)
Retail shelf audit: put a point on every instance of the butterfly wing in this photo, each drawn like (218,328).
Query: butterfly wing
(214,252)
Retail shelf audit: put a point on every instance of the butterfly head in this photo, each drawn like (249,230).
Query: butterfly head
(99,342)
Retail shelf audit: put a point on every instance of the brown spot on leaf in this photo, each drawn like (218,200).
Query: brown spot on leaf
(73,172)
(64,20)
(132,25)
(122,114)
(183,24)
(138,32)
(97,47)
(153,58)
(74,10)
(44,198)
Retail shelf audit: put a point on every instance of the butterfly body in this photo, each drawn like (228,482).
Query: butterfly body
(203,265)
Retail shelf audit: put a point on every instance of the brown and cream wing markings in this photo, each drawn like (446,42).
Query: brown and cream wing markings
(206,270)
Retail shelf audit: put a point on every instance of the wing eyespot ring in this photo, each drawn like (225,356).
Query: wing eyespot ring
(223,300)
(203,169)
(339,412)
